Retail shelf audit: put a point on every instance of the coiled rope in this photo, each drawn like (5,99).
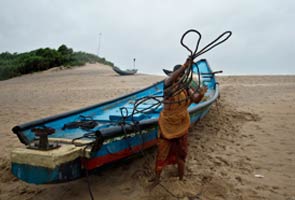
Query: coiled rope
(186,78)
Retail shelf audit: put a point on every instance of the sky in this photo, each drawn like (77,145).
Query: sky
(150,30)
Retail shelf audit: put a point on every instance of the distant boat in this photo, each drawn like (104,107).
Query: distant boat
(124,72)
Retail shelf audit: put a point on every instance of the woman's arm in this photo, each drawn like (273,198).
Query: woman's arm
(174,75)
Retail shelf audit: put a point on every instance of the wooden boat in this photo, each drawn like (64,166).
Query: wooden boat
(60,148)
(124,72)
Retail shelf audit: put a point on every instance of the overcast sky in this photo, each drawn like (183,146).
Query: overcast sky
(149,30)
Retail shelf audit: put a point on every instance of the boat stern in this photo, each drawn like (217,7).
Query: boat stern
(42,167)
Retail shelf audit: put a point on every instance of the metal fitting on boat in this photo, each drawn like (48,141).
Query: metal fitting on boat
(42,143)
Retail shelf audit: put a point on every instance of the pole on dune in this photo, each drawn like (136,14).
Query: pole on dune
(99,38)
(134,63)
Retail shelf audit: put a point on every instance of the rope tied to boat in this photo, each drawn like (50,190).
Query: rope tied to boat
(184,82)
(85,122)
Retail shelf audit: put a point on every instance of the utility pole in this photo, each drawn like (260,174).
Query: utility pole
(134,63)
(99,40)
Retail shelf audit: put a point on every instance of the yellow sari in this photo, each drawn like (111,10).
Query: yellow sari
(174,119)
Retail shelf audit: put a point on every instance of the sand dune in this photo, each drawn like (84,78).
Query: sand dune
(243,149)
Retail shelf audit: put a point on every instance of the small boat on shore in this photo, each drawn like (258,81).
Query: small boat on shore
(63,147)
(124,72)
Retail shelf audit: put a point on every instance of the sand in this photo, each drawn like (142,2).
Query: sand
(243,149)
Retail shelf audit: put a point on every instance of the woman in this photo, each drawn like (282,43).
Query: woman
(174,121)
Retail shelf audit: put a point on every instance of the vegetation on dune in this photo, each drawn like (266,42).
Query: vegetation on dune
(15,64)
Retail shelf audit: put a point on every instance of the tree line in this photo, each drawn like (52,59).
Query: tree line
(14,64)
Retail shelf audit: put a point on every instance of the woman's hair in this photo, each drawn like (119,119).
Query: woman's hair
(168,72)
(176,67)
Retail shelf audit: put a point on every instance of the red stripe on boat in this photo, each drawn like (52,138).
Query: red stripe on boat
(101,160)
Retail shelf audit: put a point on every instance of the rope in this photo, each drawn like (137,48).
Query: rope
(84,122)
(87,174)
(184,83)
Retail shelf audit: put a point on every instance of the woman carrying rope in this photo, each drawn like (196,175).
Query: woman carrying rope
(174,120)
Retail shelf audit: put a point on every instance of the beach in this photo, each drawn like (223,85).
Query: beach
(243,149)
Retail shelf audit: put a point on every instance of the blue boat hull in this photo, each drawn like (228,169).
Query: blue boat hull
(119,140)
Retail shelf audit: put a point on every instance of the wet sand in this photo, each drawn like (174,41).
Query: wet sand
(243,149)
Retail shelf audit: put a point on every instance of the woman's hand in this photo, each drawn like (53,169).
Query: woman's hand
(203,90)
(196,97)
(188,62)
